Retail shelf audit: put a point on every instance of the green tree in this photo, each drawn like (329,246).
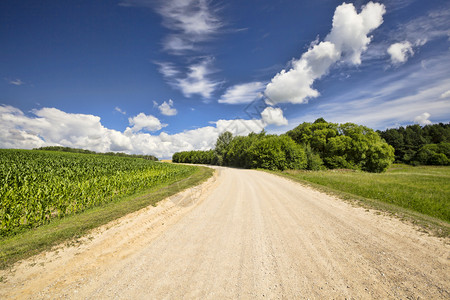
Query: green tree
(345,146)
(222,145)
(277,153)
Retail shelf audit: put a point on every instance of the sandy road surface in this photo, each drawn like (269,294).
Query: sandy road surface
(243,234)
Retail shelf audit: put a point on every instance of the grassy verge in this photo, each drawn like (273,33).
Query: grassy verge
(72,227)
(418,194)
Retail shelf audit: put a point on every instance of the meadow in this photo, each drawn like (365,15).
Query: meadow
(38,186)
(423,189)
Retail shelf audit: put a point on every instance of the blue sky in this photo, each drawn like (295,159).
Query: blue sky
(156,77)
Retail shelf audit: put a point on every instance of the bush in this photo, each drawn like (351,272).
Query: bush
(277,153)
(346,145)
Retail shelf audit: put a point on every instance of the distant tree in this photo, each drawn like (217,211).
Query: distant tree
(434,154)
(84,151)
(410,142)
(222,146)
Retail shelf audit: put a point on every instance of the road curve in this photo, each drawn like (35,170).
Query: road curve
(243,234)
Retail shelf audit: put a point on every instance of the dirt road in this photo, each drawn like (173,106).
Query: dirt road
(244,234)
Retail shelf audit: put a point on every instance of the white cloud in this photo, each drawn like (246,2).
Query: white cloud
(242,93)
(145,122)
(167,69)
(445,95)
(350,29)
(166,108)
(393,99)
(346,41)
(120,110)
(400,52)
(17,82)
(423,119)
(50,126)
(192,21)
(196,81)
(271,115)
(295,85)
(433,25)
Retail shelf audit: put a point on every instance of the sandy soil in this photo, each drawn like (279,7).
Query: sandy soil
(243,234)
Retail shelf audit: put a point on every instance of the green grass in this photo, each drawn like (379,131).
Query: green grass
(36,240)
(420,191)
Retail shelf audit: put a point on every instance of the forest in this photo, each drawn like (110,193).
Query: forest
(417,145)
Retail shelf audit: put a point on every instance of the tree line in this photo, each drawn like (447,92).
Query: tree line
(84,151)
(311,146)
(417,145)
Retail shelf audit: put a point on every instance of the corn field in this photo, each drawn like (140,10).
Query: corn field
(37,186)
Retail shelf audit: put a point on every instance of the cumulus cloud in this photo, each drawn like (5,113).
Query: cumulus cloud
(145,122)
(272,115)
(423,119)
(50,126)
(346,41)
(400,52)
(350,30)
(242,93)
(445,95)
(295,85)
(166,108)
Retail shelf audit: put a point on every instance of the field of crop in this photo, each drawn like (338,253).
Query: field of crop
(424,189)
(36,186)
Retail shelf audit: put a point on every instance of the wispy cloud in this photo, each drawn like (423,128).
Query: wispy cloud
(118,109)
(445,94)
(17,81)
(242,93)
(192,23)
(167,69)
(434,24)
(197,81)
